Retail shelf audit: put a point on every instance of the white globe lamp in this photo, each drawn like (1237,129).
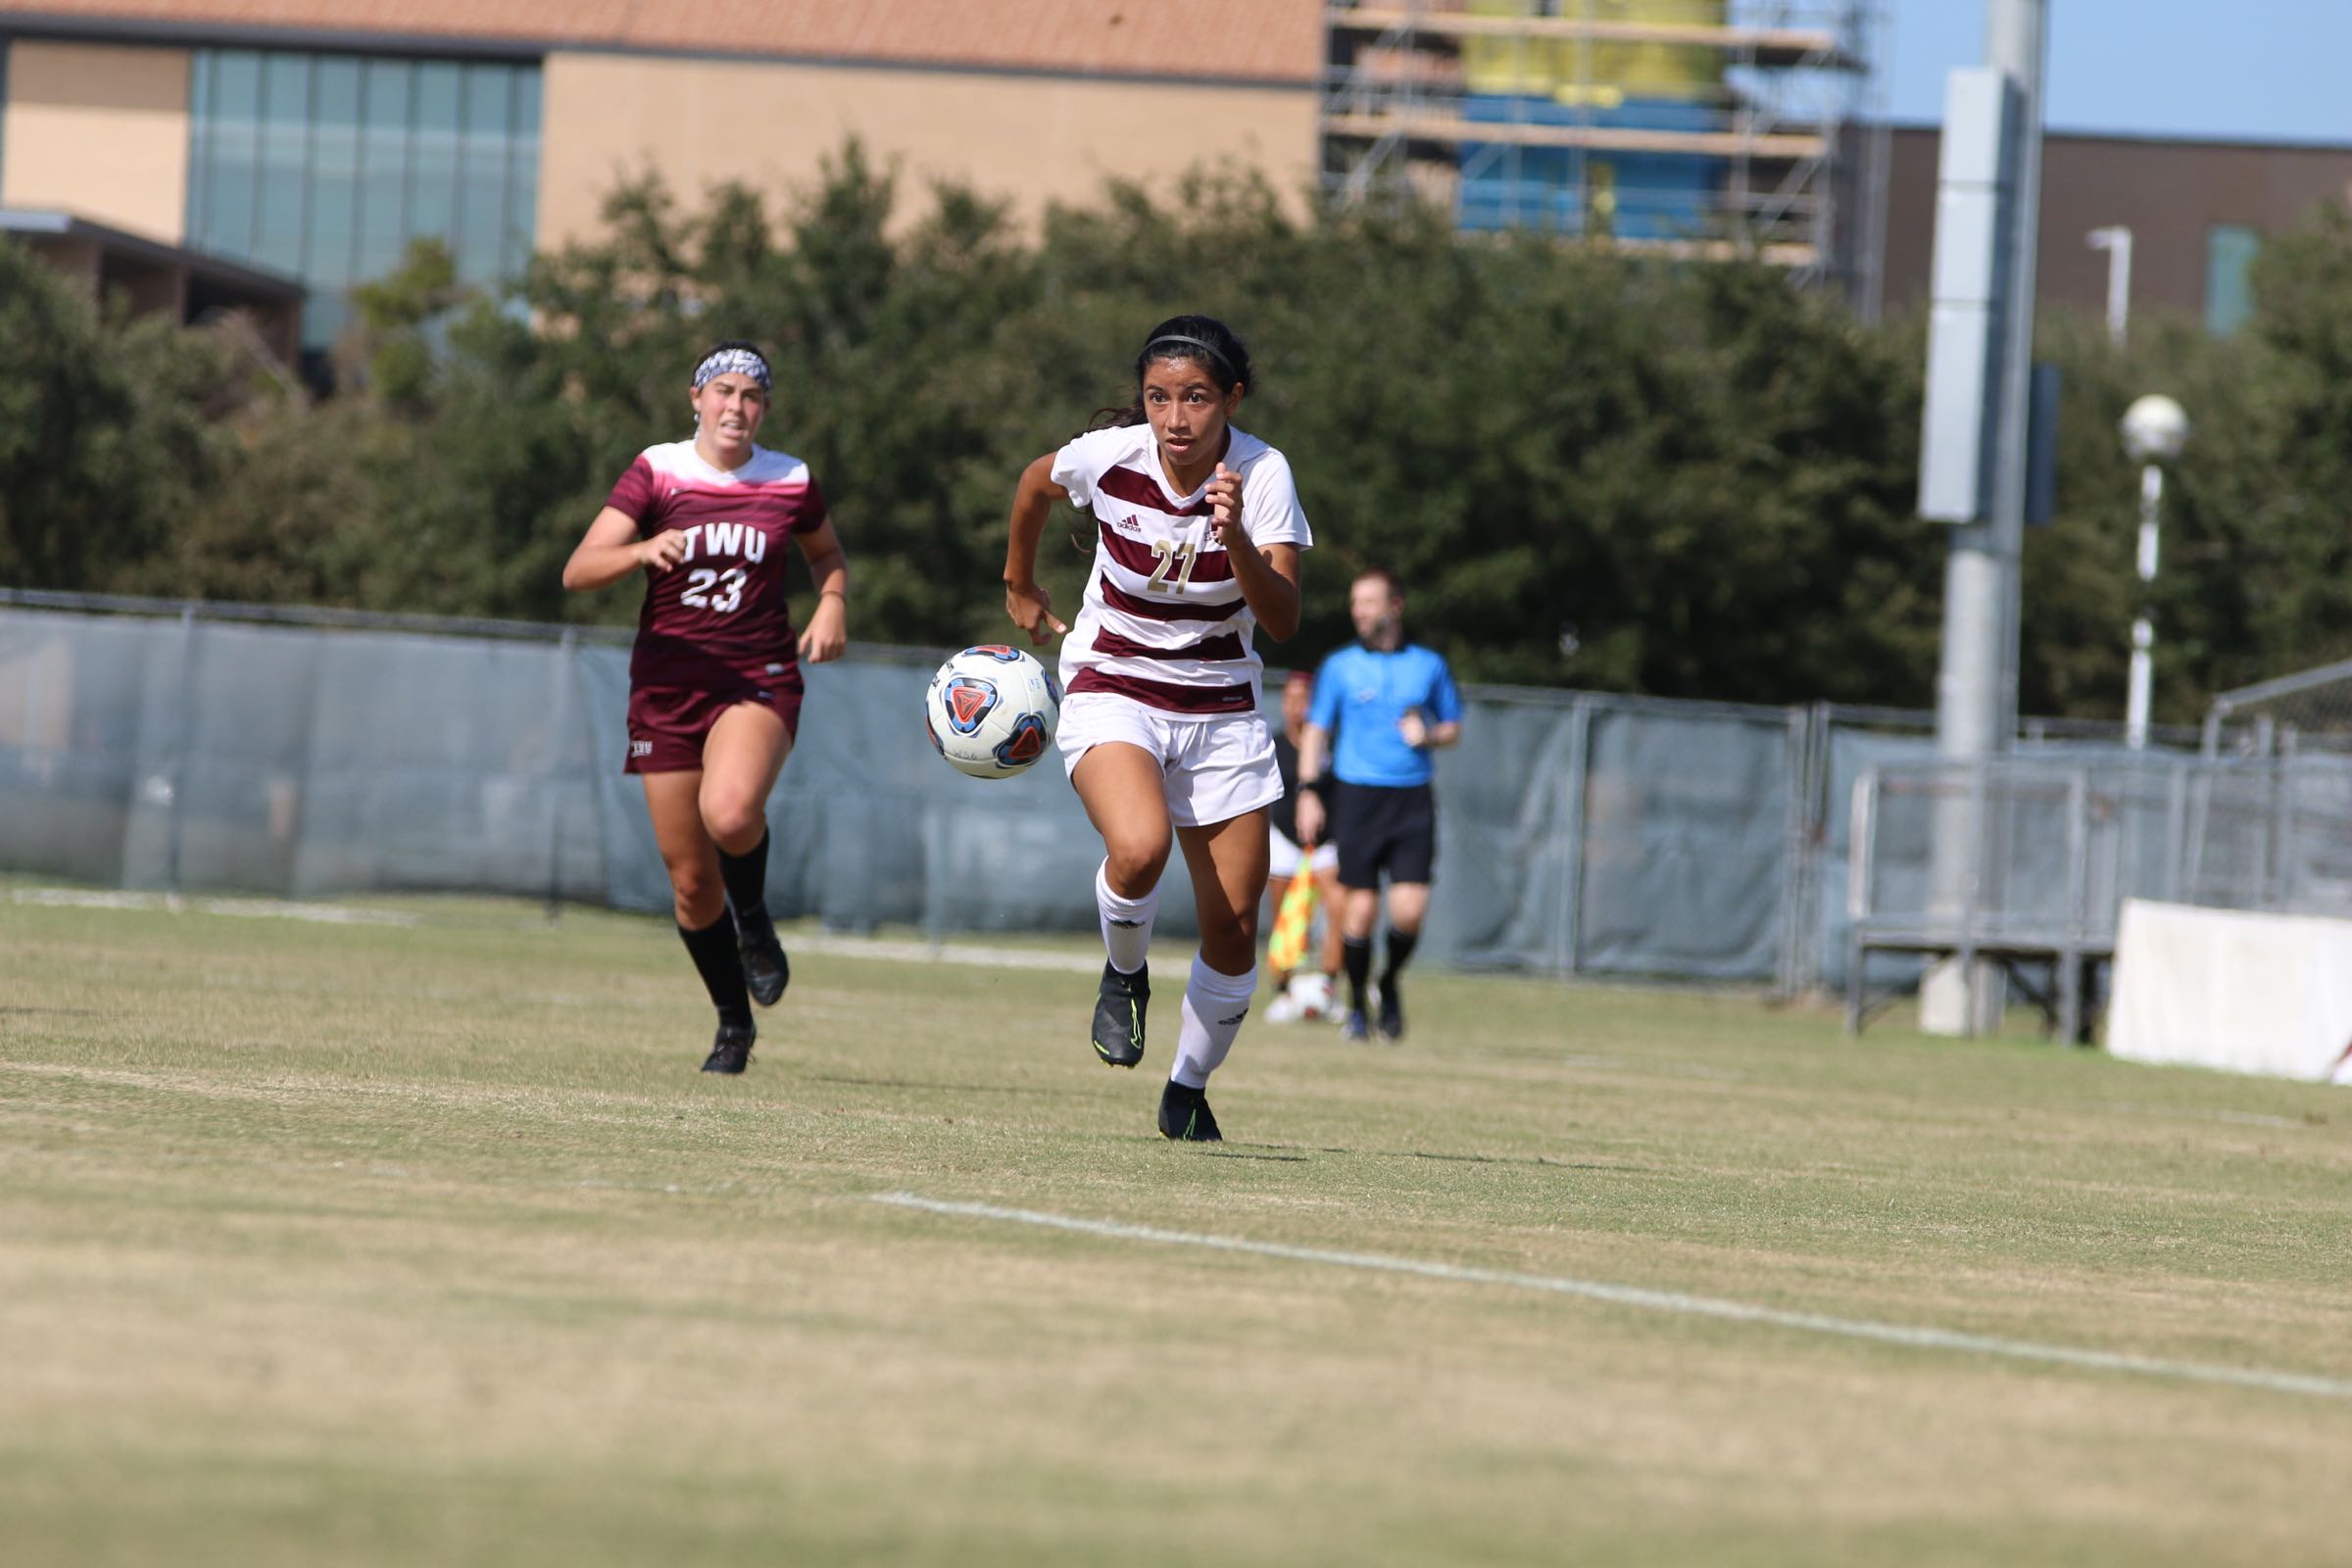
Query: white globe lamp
(2155,429)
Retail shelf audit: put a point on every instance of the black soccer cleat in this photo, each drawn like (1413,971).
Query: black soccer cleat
(765,969)
(1119,1017)
(1185,1116)
(1391,1016)
(1353,1028)
(731,1051)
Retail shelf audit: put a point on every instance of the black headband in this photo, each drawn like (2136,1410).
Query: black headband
(1210,349)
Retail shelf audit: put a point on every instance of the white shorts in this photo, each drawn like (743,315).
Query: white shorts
(1285,855)
(1214,769)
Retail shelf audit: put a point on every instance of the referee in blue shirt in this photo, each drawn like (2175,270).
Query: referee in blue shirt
(1390,703)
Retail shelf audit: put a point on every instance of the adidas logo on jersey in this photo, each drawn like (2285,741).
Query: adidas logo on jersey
(1130,524)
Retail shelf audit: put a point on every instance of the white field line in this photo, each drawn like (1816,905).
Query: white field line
(1674,1301)
(972,954)
(242,908)
(946,952)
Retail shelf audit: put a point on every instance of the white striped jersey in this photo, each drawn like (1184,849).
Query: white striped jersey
(1163,621)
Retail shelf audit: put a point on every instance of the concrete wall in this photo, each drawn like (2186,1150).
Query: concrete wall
(99,130)
(1027,137)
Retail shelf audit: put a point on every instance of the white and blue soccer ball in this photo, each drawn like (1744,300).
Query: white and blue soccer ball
(990,711)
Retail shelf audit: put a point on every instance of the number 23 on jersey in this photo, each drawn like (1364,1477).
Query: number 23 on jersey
(718,591)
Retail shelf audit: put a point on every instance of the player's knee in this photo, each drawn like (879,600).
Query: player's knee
(1235,927)
(731,819)
(695,886)
(1133,867)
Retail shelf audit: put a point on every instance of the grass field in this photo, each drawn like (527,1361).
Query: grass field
(374,1244)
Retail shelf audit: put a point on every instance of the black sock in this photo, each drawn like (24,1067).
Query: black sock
(712,950)
(745,877)
(1357,953)
(1400,948)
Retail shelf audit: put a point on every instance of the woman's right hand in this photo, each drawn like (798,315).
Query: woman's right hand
(662,551)
(1032,610)
(1306,816)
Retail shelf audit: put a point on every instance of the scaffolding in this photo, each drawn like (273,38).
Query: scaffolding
(1685,127)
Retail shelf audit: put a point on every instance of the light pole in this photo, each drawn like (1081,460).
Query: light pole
(2116,241)
(1972,466)
(2155,429)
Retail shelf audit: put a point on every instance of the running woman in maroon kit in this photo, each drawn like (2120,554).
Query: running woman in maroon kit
(714,682)
(1197,537)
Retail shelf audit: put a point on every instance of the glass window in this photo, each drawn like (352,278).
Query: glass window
(433,154)
(522,176)
(329,166)
(200,130)
(234,151)
(482,180)
(334,195)
(285,145)
(2229,252)
(383,167)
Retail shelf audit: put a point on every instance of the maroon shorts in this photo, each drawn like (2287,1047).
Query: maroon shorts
(668,724)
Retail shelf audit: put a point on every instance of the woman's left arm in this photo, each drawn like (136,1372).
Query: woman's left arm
(1268,574)
(828,630)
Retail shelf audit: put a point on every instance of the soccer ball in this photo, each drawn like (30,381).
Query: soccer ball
(990,711)
(1310,994)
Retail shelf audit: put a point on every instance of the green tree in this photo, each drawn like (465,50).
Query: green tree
(1588,469)
(106,431)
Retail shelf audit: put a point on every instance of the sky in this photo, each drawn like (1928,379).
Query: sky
(2229,70)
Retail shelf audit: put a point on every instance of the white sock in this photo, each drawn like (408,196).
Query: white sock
(1214,1005)
(1126,922)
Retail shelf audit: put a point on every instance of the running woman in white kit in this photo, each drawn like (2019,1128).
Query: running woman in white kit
(1198,536)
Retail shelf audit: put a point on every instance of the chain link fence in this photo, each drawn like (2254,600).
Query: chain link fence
(2307,711)
(2057,839)
(193,748)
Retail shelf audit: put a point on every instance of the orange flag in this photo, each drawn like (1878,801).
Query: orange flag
(1286,949)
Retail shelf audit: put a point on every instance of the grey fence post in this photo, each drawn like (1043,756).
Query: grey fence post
(2266,885)
(2176,828)
(2291,876)
(176,771)
(2076,934)
(1980,790)
(584,717)
(1799,968)
(1861,853)
(566,700)
(1572,882)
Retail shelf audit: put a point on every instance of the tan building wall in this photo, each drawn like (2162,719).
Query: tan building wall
(1030,138)
(98,131)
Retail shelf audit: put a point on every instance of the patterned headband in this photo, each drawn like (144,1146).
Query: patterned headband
(734,361)
(1210,349)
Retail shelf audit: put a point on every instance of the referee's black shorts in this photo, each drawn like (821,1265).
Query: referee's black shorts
(1379,828)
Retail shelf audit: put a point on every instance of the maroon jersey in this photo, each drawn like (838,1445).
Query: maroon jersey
(717,620)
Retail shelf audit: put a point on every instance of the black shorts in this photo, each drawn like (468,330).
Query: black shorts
(1379,828)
